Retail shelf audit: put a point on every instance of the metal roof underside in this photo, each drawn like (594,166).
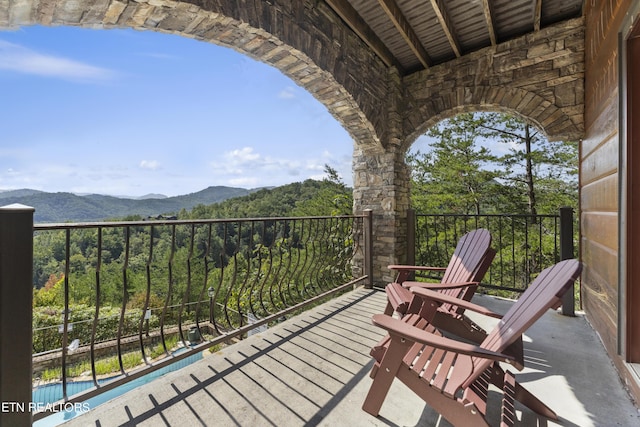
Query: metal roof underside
(413,35)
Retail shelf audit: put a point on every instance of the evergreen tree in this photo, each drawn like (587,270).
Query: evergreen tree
(460,175)
(543,172)
(455,176)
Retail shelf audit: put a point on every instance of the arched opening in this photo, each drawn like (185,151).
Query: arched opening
(499,172)
(515,152)
(155,113)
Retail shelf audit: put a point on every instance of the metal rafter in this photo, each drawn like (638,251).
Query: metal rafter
(389,30)
(488,16)
(400,21)
(537,15)
(445,22)
(351,17)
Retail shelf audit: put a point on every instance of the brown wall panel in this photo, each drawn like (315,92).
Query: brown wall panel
(601,270)
(599,316)
(601,228)
(603,20)
(607,305)
(599,176)
(601,195)
(603,128)
(600,163)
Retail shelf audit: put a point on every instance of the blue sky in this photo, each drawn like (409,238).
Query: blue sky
(126,112)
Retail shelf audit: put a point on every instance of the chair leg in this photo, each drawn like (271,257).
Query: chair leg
(384,373)
(389,309)
(525,397)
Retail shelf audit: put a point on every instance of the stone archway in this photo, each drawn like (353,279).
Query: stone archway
(539,78)
(555,124)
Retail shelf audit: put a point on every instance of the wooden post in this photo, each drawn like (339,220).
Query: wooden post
(411,241)
(566,252)
(368,247)
(16,314)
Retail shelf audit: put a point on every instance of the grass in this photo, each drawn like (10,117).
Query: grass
(108,365)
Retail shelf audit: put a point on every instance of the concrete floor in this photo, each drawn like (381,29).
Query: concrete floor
(312,370)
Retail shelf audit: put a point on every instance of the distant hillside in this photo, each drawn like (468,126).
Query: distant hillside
(65,207)
(308,198)
(18,193)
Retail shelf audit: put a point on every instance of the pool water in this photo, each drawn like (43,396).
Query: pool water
(50,393)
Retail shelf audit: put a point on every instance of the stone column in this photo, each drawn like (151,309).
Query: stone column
(381,183)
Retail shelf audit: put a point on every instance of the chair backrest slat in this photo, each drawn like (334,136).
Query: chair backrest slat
(469,262)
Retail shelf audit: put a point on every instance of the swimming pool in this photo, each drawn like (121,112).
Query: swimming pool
(50,393)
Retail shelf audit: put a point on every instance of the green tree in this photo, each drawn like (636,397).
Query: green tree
(543,172)
(456,175)
(332,198)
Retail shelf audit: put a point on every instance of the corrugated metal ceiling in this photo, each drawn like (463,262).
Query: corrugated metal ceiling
(416,34)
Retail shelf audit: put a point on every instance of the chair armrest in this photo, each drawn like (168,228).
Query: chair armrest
(442,298)
(439,286)
(403,330)
(415,268)
(404,271)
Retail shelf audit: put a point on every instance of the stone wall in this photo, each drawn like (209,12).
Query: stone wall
(539,77)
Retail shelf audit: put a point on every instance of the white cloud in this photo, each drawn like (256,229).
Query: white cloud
(244,182)
(20,59)
(150,164)
(242,156)
(245,167)
(287,93)
(246,157)
(157,55)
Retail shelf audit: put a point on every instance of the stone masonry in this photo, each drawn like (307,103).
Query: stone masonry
(539,77)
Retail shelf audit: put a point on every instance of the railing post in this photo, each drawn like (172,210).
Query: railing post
(368,247)
(566,252)
(16,314)
(411,240)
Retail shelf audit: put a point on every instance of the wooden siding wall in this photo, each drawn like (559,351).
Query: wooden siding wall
(599,159)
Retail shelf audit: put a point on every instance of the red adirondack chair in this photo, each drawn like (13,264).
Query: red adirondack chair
(469,263)
(451,376)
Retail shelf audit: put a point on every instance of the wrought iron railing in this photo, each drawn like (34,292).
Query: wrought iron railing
(525,244)
(155,292)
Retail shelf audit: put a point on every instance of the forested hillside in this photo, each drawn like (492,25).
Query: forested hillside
(170,268)
(308,198)
(68,207)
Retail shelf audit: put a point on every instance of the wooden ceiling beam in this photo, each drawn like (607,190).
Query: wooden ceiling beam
(537,17)
(400,21)
(445,22)
(354,21)
(488,17)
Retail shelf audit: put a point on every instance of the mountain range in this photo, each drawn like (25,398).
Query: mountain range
(65,207)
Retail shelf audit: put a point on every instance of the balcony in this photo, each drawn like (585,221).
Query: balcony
(313,370)
(232,292)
